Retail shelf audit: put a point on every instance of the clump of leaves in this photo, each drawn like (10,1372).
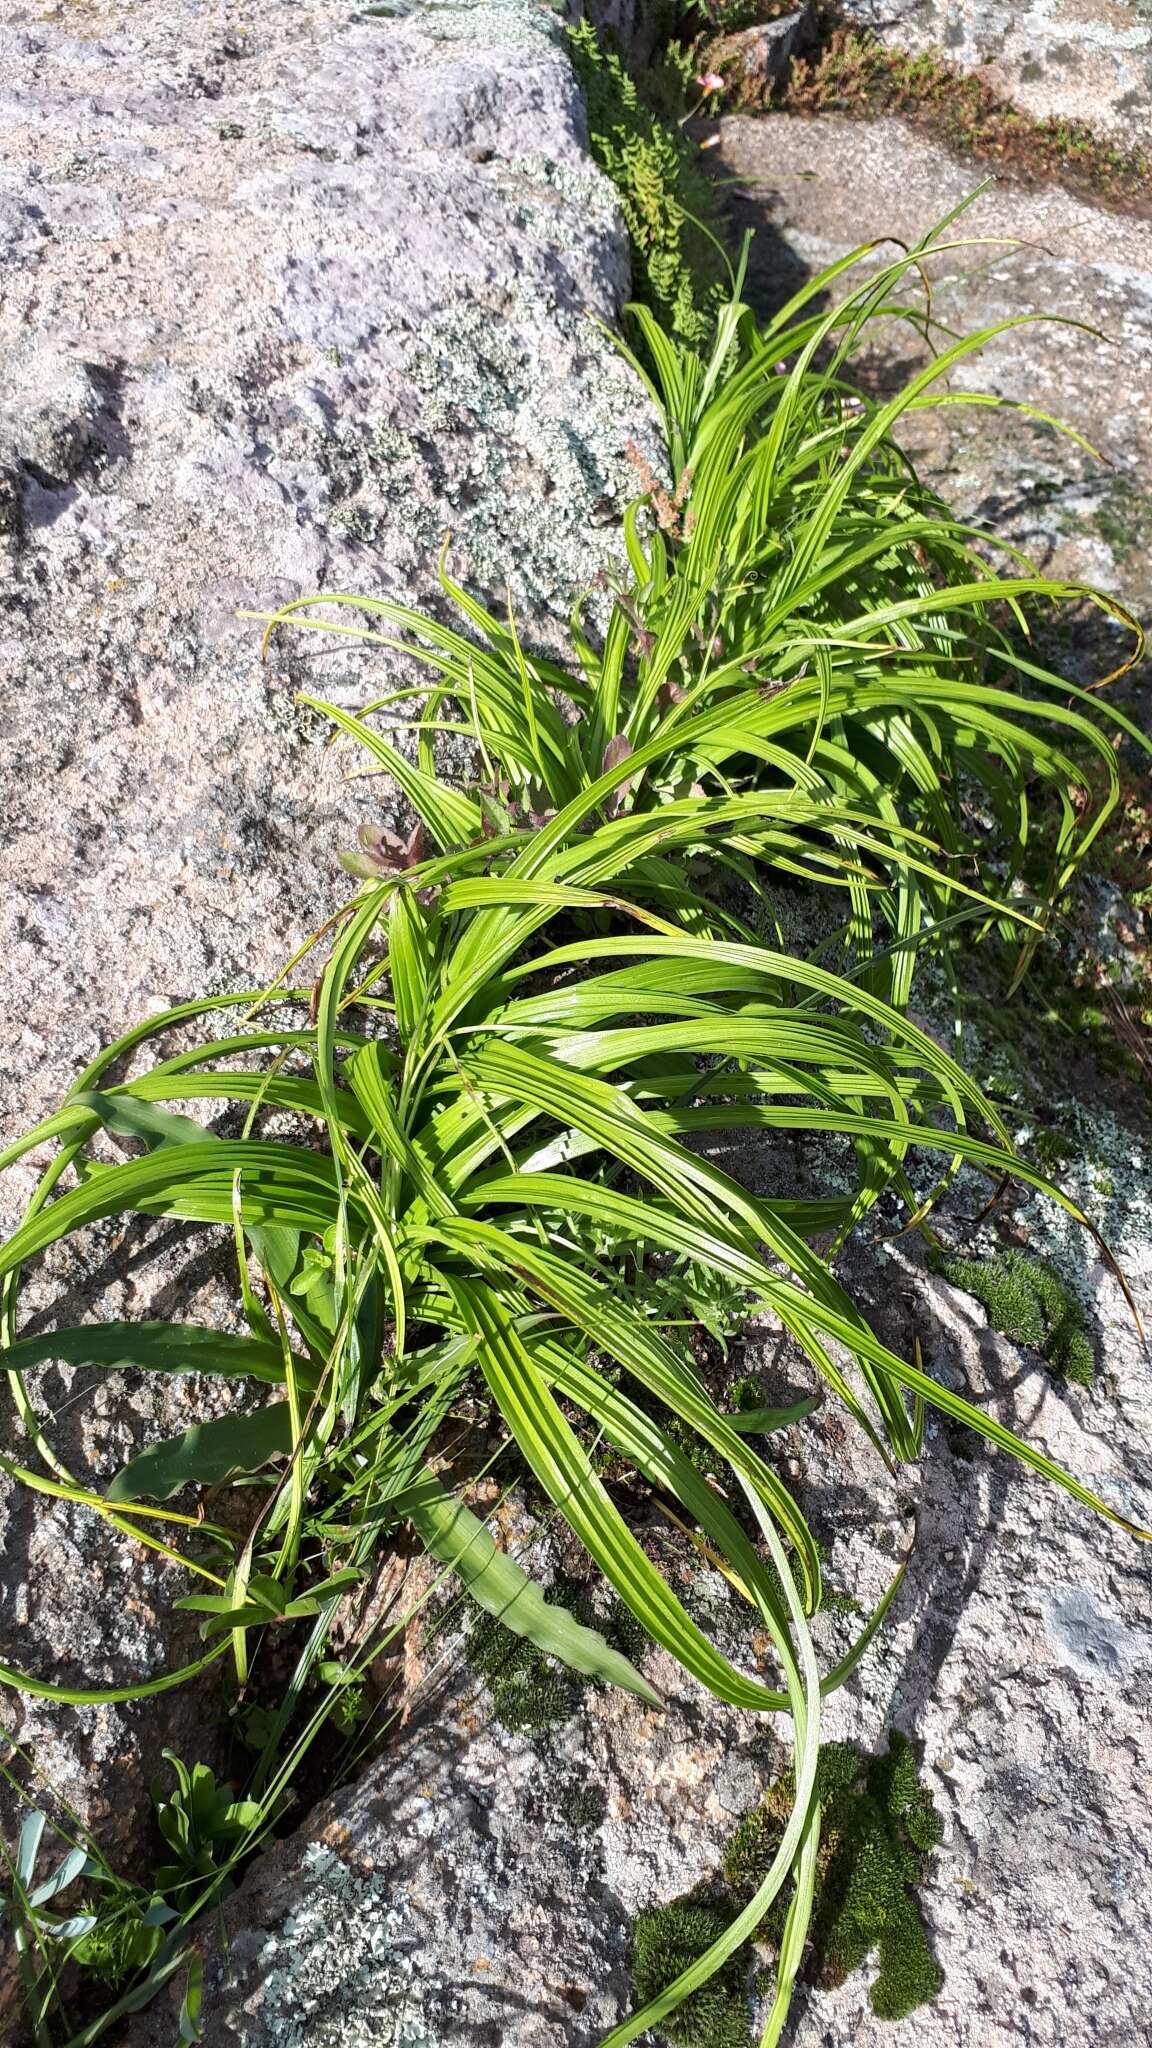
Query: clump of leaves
(668,204)
(1026,1300)
(541,1006)
(106,1925)
(879,1828)
(201,1822)
(351,1702)
(121,1942)
(683,1295)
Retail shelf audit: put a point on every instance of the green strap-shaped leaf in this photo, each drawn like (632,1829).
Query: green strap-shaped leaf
(280,1185)
(452,818)
(563,1468)
(498,1584)
(615,1326)
(701,1192)
(207,1454)
(409,959)
(152,1347)
(128,1117)
(107,1696)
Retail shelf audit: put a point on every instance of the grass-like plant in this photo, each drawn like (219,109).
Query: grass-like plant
(540,1012)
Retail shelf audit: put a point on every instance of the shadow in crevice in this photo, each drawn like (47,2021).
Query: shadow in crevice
(775,269)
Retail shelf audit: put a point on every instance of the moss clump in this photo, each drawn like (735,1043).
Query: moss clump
(662,191)
(744,1394)
(581,1805)
(1124,518)
(878,1829)
(532,1692)
(1027,1301)
(665,1940)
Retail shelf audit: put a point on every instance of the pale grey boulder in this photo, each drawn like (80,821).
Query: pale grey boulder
(459,1896)
(176,827)
(1078,60)
(283,301)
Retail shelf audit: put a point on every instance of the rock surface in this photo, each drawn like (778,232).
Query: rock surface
(285,302)
(1019,1649)
(755,59)
(477,1888)
(814,189)
(1078,60)
(288,293)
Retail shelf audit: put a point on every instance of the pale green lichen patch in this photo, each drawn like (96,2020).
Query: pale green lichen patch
(530,489)
(581,185)
(1052,1062)
(1110,1176)
(334,1974)
(495,23)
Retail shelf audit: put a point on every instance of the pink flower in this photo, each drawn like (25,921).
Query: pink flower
(710,81)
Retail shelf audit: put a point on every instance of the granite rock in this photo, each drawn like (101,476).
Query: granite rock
(460,1895)
(1075,279)
(241,418)
(754,60)
(1069,60)
(288,294)
(478,1887)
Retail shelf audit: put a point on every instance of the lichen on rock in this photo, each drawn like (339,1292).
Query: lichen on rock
(339,297)
(334,1973)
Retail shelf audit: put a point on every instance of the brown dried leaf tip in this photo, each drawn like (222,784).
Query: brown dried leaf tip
(671,516)
(617,750)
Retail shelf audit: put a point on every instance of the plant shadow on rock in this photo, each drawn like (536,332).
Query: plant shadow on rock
(776,270)
(938,1587)
(126,1615)
(433,1895)
(945,1568)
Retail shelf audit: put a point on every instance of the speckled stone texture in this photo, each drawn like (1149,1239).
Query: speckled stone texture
(811,190)
(470,1893)
(460,1897)
(286,294)
(290,293)
(1078,60)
